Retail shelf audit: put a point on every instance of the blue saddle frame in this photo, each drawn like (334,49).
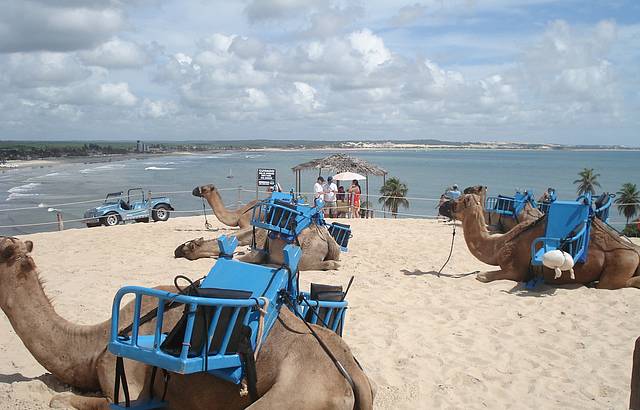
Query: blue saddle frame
(568,228)
(510,206)
(261,281)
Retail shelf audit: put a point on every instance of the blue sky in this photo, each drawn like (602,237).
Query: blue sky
(472,70)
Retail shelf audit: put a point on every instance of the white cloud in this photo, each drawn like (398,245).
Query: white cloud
(371,47)
(28,70)
(116,53)
(28,26)
(305,97)
(157,109)
(409,14)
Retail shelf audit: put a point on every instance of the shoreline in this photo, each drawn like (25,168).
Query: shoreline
(52,161)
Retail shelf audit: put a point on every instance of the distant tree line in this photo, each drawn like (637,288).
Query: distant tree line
(28,151)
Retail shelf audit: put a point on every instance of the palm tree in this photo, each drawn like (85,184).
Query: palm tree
(628,200)
(393,196)
(587,182)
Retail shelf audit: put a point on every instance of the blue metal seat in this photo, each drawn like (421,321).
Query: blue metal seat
(509,206)
(603,205)
(568,227)
(281,215)
(341,233)
(256,281)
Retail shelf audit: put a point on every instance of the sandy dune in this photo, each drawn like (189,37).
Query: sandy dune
(428,342)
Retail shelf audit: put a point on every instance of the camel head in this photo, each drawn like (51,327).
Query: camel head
(464,204)
(203,191)
(194,249)
(476,189)
(15,265)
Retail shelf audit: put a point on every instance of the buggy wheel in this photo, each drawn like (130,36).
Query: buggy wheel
(111,219)
(160,213)
(142,220)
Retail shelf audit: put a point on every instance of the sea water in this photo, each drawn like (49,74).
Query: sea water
(425,172)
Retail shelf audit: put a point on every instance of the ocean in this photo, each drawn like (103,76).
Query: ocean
(426,173)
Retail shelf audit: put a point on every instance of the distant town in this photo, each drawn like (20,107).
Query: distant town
(32,150)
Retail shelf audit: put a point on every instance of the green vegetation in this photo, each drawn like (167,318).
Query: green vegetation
(11,150)
(587,182)
(393,196)
(628,200)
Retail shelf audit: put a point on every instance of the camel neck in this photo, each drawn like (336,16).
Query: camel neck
(67,350)
(223,215)
(480,242)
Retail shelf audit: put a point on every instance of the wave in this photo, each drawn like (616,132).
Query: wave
(160,163)
(158,169)
(24,188)
(101,168)
(254,156)
(23,191)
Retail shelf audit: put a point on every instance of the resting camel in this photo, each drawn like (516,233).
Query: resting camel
(612,261)
(499,223)
(293,369)
(240,217)
(319,250)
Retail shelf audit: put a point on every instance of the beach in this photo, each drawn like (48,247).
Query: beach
(447,342)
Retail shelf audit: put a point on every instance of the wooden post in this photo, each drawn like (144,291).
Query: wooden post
(634,399)
(60,221)
(366,183)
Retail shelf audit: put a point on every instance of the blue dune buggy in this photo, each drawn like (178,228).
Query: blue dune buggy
(135,206)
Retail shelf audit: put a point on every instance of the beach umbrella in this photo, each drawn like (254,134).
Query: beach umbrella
(348,176)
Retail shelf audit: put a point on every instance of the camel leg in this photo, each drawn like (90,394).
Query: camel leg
(499,275)
(255,257)
(634,282)
(320,397)
(70,400)
(320,265)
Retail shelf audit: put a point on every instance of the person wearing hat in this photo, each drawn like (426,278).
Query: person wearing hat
(453,193)
(330,189)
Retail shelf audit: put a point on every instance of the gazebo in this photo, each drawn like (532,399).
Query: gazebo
(341,163)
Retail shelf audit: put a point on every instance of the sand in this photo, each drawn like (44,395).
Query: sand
(428,342)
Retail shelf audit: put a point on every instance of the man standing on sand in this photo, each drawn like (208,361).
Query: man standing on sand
(318,190)
(330,190)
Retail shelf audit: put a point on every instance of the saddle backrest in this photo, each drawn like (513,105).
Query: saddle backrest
(565,217)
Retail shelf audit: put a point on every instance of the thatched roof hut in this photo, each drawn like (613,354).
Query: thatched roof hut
(342,163)
(337,163)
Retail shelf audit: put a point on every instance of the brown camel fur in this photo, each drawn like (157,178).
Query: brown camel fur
(319,250)
(293,370)
(612,261)
(240,217)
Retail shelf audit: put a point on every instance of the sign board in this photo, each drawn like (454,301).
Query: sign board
(266,177)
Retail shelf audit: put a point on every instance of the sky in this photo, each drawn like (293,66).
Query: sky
(540,71)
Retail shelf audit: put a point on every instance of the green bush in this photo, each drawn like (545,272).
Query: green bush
(631,230)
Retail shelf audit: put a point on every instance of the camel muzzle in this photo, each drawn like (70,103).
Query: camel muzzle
(196,192)
(446,209)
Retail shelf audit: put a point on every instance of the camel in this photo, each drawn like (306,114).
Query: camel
(611,261)
(319,250)
(496,223)
(293,370)
(240,217)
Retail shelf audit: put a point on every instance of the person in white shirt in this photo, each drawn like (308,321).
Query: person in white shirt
(330,190)
(318,190)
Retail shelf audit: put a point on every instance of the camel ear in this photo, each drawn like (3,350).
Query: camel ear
(29,246)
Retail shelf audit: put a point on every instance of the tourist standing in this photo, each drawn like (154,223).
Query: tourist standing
(355,192)
(318,190)
(330,190)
